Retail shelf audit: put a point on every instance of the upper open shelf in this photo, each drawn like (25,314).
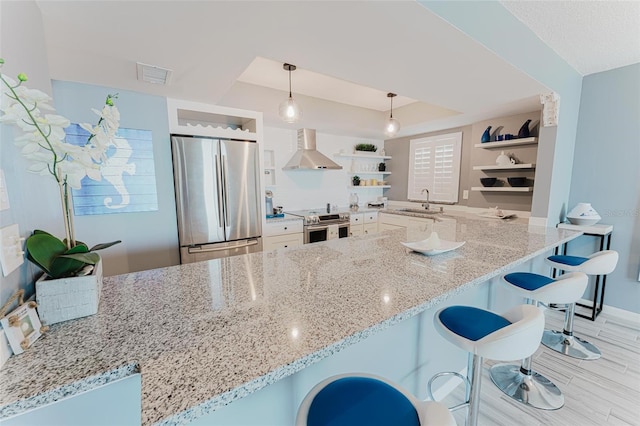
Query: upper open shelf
(369,156)
(512,142)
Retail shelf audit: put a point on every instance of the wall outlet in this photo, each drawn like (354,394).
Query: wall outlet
(11,252)
(465,194)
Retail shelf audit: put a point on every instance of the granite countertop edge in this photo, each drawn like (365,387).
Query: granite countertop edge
(282,372)
(69,390)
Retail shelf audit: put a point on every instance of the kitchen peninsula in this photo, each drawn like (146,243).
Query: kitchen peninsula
(206,334)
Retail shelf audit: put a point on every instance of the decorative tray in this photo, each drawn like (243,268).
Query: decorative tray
(433,245)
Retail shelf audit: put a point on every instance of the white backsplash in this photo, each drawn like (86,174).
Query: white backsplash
(307,189)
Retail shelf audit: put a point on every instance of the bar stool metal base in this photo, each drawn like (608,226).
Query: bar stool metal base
(570,345)
(534,390)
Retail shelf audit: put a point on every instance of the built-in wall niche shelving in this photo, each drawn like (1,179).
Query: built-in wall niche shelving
(504,144)
(199,119)
(528,166)
(502,188)
(269,168)
(369,186)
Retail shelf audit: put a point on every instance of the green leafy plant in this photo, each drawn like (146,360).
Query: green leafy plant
(366,147)
(356,180)
(53,257)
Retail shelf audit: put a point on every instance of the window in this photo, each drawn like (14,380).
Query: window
(434,164)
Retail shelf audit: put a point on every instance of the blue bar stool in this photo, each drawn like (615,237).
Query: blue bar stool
(520,382)
(514,335)
(565,290)
(600,263)
(366,399)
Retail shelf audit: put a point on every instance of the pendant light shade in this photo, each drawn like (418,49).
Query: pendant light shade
(289,110)
(392,126)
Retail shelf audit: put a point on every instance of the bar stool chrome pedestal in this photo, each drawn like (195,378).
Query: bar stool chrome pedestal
(514,335)
(564,342)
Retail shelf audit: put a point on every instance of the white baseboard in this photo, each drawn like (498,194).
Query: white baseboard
(616,312)
(449,386)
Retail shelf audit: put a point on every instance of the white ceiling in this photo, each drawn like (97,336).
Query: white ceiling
(348,54)
(591,36)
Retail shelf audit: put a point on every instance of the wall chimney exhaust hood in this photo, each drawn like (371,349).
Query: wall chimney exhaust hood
(307,157)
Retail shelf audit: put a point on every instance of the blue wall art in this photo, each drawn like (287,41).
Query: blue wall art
(128,175)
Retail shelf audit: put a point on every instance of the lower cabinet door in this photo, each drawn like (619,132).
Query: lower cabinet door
(282,241)
(389,226)
(370,228)
(356,230)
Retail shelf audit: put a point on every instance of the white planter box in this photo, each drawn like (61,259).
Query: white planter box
(68,298)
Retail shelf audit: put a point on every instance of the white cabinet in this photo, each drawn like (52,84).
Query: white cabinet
(356,226)
(388,221)
(282,241)
(364,223)
(370,228)
(370,222)
(282,235)
(370,217)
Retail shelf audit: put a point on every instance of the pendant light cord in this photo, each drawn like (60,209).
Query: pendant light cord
(391,112)
(290,95)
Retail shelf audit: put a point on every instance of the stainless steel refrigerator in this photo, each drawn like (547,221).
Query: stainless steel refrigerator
(217,197)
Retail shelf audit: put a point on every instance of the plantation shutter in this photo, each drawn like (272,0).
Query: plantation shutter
(434,164)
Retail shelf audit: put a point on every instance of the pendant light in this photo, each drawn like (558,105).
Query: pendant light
(289,110)
(392,125)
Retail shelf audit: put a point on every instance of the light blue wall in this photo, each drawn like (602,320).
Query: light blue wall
(149,239)
(493,26)
(606,173)
(23,48)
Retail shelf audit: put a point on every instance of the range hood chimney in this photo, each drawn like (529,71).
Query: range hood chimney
(306,157)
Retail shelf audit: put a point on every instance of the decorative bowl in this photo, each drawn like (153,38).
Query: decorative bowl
(488,181)
(517,181)
(583,214)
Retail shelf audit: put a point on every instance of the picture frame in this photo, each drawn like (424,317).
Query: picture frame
(22,326)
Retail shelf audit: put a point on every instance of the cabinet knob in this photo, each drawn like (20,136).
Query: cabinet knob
(285,228)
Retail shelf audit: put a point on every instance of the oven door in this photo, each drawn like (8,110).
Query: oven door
(315,233)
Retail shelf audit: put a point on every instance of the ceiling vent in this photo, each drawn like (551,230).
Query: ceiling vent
(152,74)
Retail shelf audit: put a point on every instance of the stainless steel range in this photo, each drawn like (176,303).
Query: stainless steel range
(321,226)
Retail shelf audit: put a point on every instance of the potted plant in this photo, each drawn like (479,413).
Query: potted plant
(44,143)
(366,147)
(356,180)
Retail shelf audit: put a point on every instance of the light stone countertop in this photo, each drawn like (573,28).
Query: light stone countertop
(205,334)
(286,218)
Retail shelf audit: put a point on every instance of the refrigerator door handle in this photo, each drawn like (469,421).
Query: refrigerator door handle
(199,249)
(225,190)
(219,195)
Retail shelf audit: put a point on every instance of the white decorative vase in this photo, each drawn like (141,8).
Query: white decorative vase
(583,214)
(69,298)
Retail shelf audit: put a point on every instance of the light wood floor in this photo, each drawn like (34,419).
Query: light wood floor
(601,392)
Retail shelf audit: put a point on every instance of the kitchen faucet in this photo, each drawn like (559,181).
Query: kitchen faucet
(425,204)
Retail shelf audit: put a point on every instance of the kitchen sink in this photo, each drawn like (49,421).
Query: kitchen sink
(421,211)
